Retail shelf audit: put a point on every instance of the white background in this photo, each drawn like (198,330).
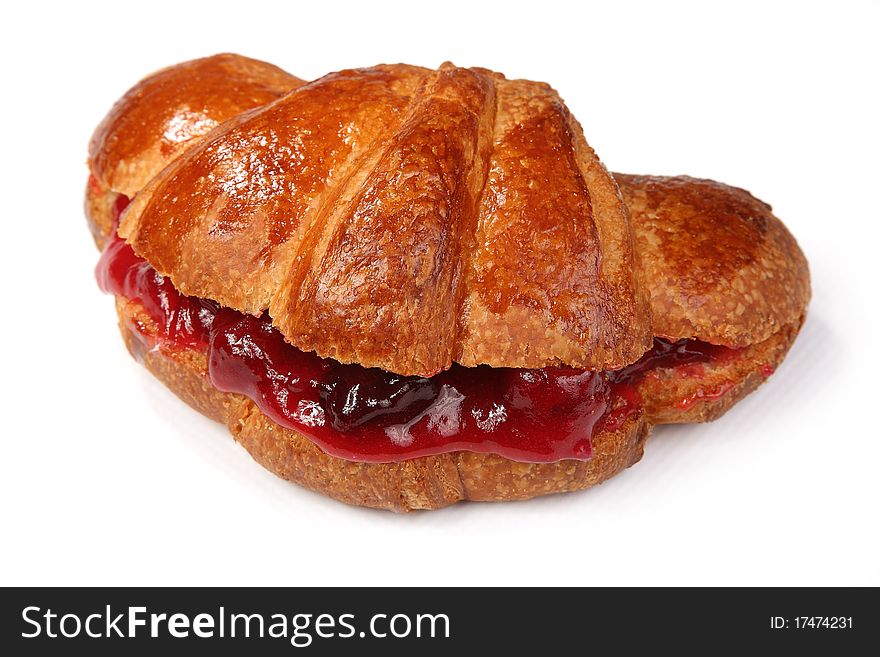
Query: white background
(108,479)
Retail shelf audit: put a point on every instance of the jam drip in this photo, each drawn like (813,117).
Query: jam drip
(368,414)
(182,320)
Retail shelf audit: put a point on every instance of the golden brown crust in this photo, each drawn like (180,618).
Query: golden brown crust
(551,278)
(387,278)
(382,216)
(718,265)
(334,244)
(165,112)
(230,217)
(99,211)
(437,481)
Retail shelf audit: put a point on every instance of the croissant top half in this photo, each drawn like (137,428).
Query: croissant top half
(406,218)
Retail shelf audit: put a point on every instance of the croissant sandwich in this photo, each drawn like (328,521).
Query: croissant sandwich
(405,287)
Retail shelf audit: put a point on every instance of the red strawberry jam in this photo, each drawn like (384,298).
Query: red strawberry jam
(183,320)
(671,354)
(368,414)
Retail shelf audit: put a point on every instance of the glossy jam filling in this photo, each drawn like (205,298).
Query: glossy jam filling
(368,414)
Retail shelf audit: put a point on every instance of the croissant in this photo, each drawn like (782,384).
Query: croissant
(406,287)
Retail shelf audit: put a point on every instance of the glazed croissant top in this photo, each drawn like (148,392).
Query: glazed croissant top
(406,218)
